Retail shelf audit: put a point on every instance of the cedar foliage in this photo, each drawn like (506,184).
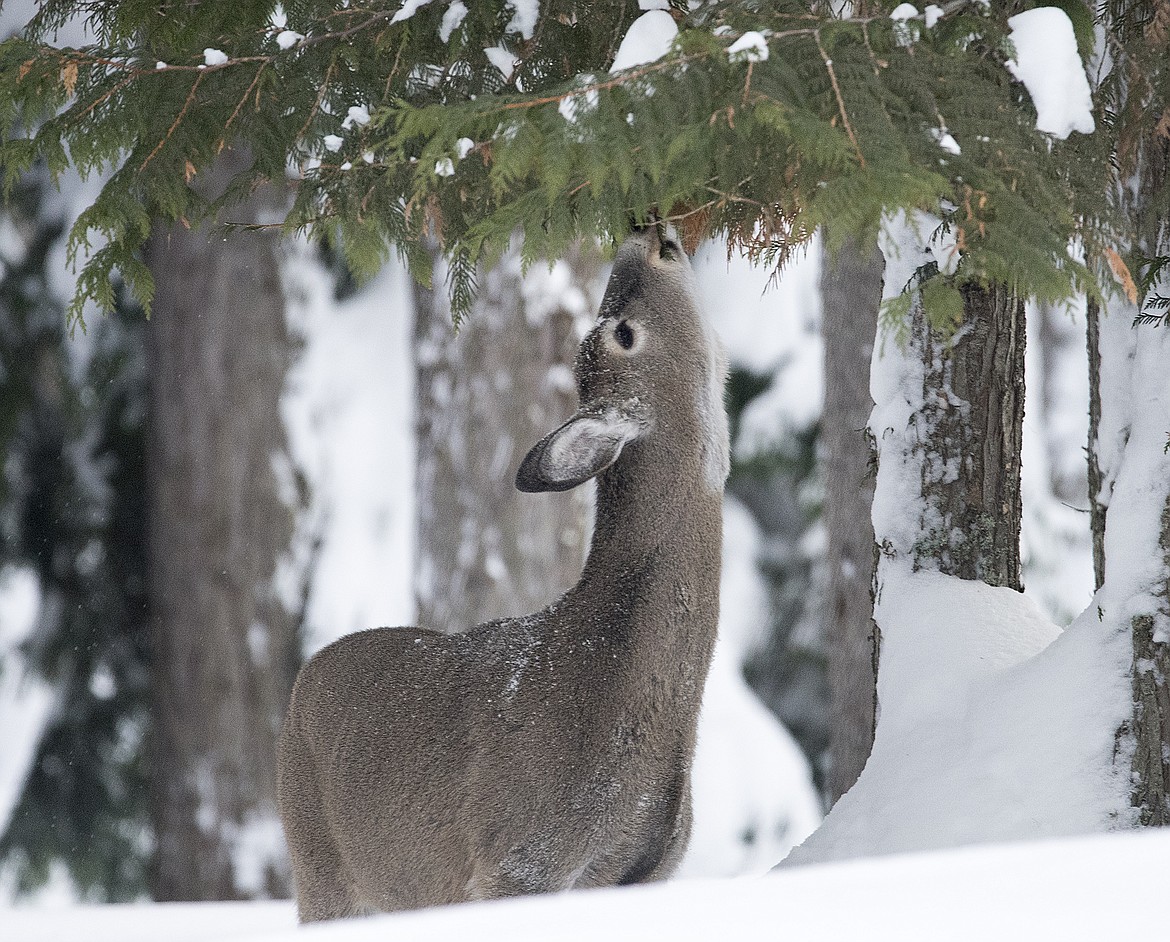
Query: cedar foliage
(839,123)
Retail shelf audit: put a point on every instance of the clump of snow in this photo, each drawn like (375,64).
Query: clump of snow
(653,4)
(288,38)
(464,146)
(502,59)
(332,142)
(1048,64)
(445,167)
(582,103)
(647,40)
(932,15)
(357,114)
(453,16)
(905,32)
(278,19)
(750,47)
(525,13)
(214,57)
(946,141)
(408,9)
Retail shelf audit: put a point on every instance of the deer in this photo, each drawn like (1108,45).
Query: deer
(552,751)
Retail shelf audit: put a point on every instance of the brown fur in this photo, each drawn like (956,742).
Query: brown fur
(553,751)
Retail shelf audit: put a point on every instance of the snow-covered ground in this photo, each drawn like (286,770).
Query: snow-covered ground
(1090,889)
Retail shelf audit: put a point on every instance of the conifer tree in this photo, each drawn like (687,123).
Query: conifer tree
(71,510)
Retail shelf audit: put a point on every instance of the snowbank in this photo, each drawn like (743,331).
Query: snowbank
(987,731)
(1067,890)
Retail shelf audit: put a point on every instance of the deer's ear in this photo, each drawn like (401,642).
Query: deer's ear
(581,448)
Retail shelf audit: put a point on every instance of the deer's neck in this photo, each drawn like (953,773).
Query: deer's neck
(650,589)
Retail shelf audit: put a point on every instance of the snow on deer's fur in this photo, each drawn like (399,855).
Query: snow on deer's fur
(553,751)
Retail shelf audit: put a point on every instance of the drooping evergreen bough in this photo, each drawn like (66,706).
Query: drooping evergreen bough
(477,120)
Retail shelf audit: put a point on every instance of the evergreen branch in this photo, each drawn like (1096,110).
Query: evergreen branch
(840,101)
(317,104)
(174,124)
(244,97)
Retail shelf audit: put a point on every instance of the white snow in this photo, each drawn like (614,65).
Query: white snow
(1056,546)
(905,32)
(26,701)
(332,142)
(348,413)
(992,725)
(278,19)
(653,4)
(647,40)
(1071,890)
(932,15)
(502,59)
(214,57)
(451,19)
(524,16)
(750,47)
(408,9)
(1048,64)
(463,146)
(768,330)
(445,167)
(288,38)
(946,141)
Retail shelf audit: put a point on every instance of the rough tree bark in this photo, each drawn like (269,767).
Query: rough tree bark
(851,292)
(1097,509)
(224,639)
(973,407)
(484,395)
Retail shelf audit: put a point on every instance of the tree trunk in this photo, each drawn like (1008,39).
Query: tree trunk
(1097,508)
(224,630)
(485,394)
(851,292)
(973,411)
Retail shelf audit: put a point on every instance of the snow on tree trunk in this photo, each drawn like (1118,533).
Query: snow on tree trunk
(485,394)
(1134,602)
(222,607)
(970,433)
(851,291)
(992,725)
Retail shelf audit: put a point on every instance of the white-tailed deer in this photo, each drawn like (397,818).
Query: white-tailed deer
(553,751)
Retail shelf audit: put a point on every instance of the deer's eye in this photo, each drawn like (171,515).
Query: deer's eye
(624,335)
